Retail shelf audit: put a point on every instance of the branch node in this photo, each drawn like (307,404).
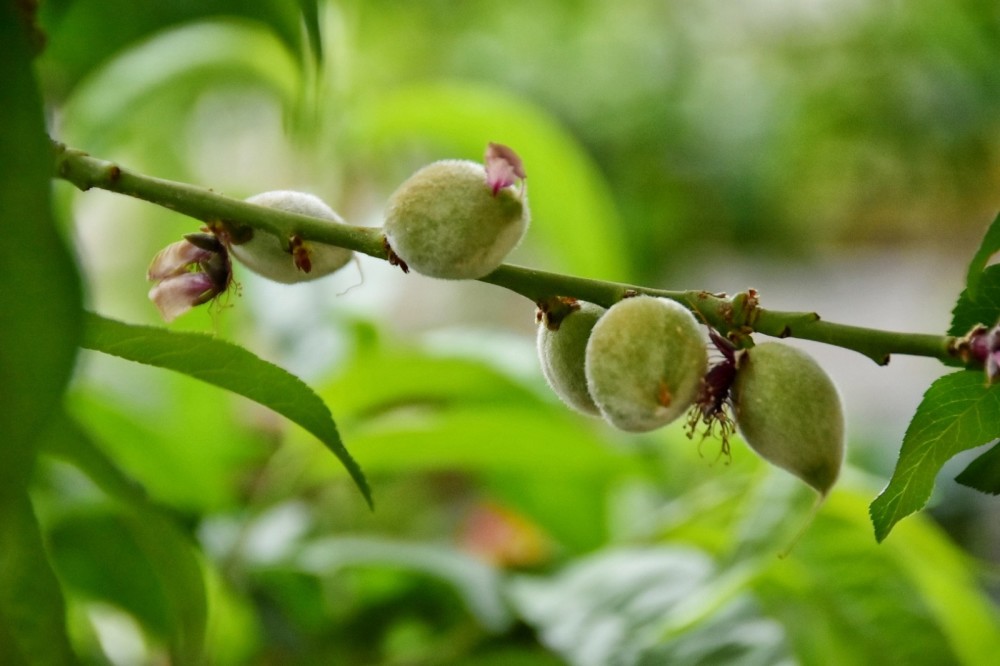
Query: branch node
(554,309)
(393,258)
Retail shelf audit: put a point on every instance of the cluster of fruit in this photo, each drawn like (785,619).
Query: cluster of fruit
(452,219)
(643,363)
(640,364)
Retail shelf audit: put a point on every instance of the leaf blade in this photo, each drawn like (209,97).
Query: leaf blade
(958,412)
(983,309)
(989,247)
(983,473)
(32,608)
(227,366)
(40,297)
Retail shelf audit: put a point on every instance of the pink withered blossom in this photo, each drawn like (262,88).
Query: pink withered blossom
(175,259)
(503,167)
(178,294)
(188,273)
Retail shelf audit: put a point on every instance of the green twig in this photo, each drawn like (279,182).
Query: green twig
(737,316)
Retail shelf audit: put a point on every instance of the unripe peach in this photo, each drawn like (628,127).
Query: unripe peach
(445,221)
(562,347)
(644,362)
(788,410)
(289,260)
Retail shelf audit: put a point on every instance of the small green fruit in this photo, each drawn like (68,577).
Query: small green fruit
(644,362)
(446,222)
(562,347)
(290,260)
(788,411)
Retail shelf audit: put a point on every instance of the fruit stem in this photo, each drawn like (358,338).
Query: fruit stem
(736,315)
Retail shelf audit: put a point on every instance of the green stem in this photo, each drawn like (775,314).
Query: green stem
(737,315)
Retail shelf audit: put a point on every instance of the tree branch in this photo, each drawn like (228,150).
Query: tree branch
(737,316)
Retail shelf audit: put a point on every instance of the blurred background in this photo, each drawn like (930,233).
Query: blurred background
(841,157)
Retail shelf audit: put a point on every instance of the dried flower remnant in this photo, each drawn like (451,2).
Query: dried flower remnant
(713,404)
(188,273)
(503,167)
(982,345)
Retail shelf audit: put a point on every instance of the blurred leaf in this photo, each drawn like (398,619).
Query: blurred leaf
(141,563)
(81,38)
(227,366)
(32,610)
(233,628)
(40,297)
(415,410)
(65,439)
(174,559)
(509,656)
(196,463)
(958,412)
(983,473)
(845,600)
(380,380)
(989,247)
(163,78)
(573,213)
(950,590)
(508,437)
(478,584)
(310,17)
(634,606)
(842,598)
(565,511)
(984,309)
(40,302)
(166,468)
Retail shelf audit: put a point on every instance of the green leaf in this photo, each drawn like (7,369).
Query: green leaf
(40,295)
(845,601)
(989,247)
(840,598)
(32,611)
(958,412)
(983,309)
(656,605)
(314,29)
(167,75)
(440,411)
(983,473)
(478,584)
(65,439)
(39,328)
(139,561)
(78,43)
(951,590)
(227,366)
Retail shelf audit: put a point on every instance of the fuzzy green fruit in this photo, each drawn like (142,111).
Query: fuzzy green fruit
(788,411)
(644,362)
(282,260)
(562,353)
(446,222)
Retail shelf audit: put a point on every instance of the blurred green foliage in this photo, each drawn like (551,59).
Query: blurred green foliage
(186,525)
